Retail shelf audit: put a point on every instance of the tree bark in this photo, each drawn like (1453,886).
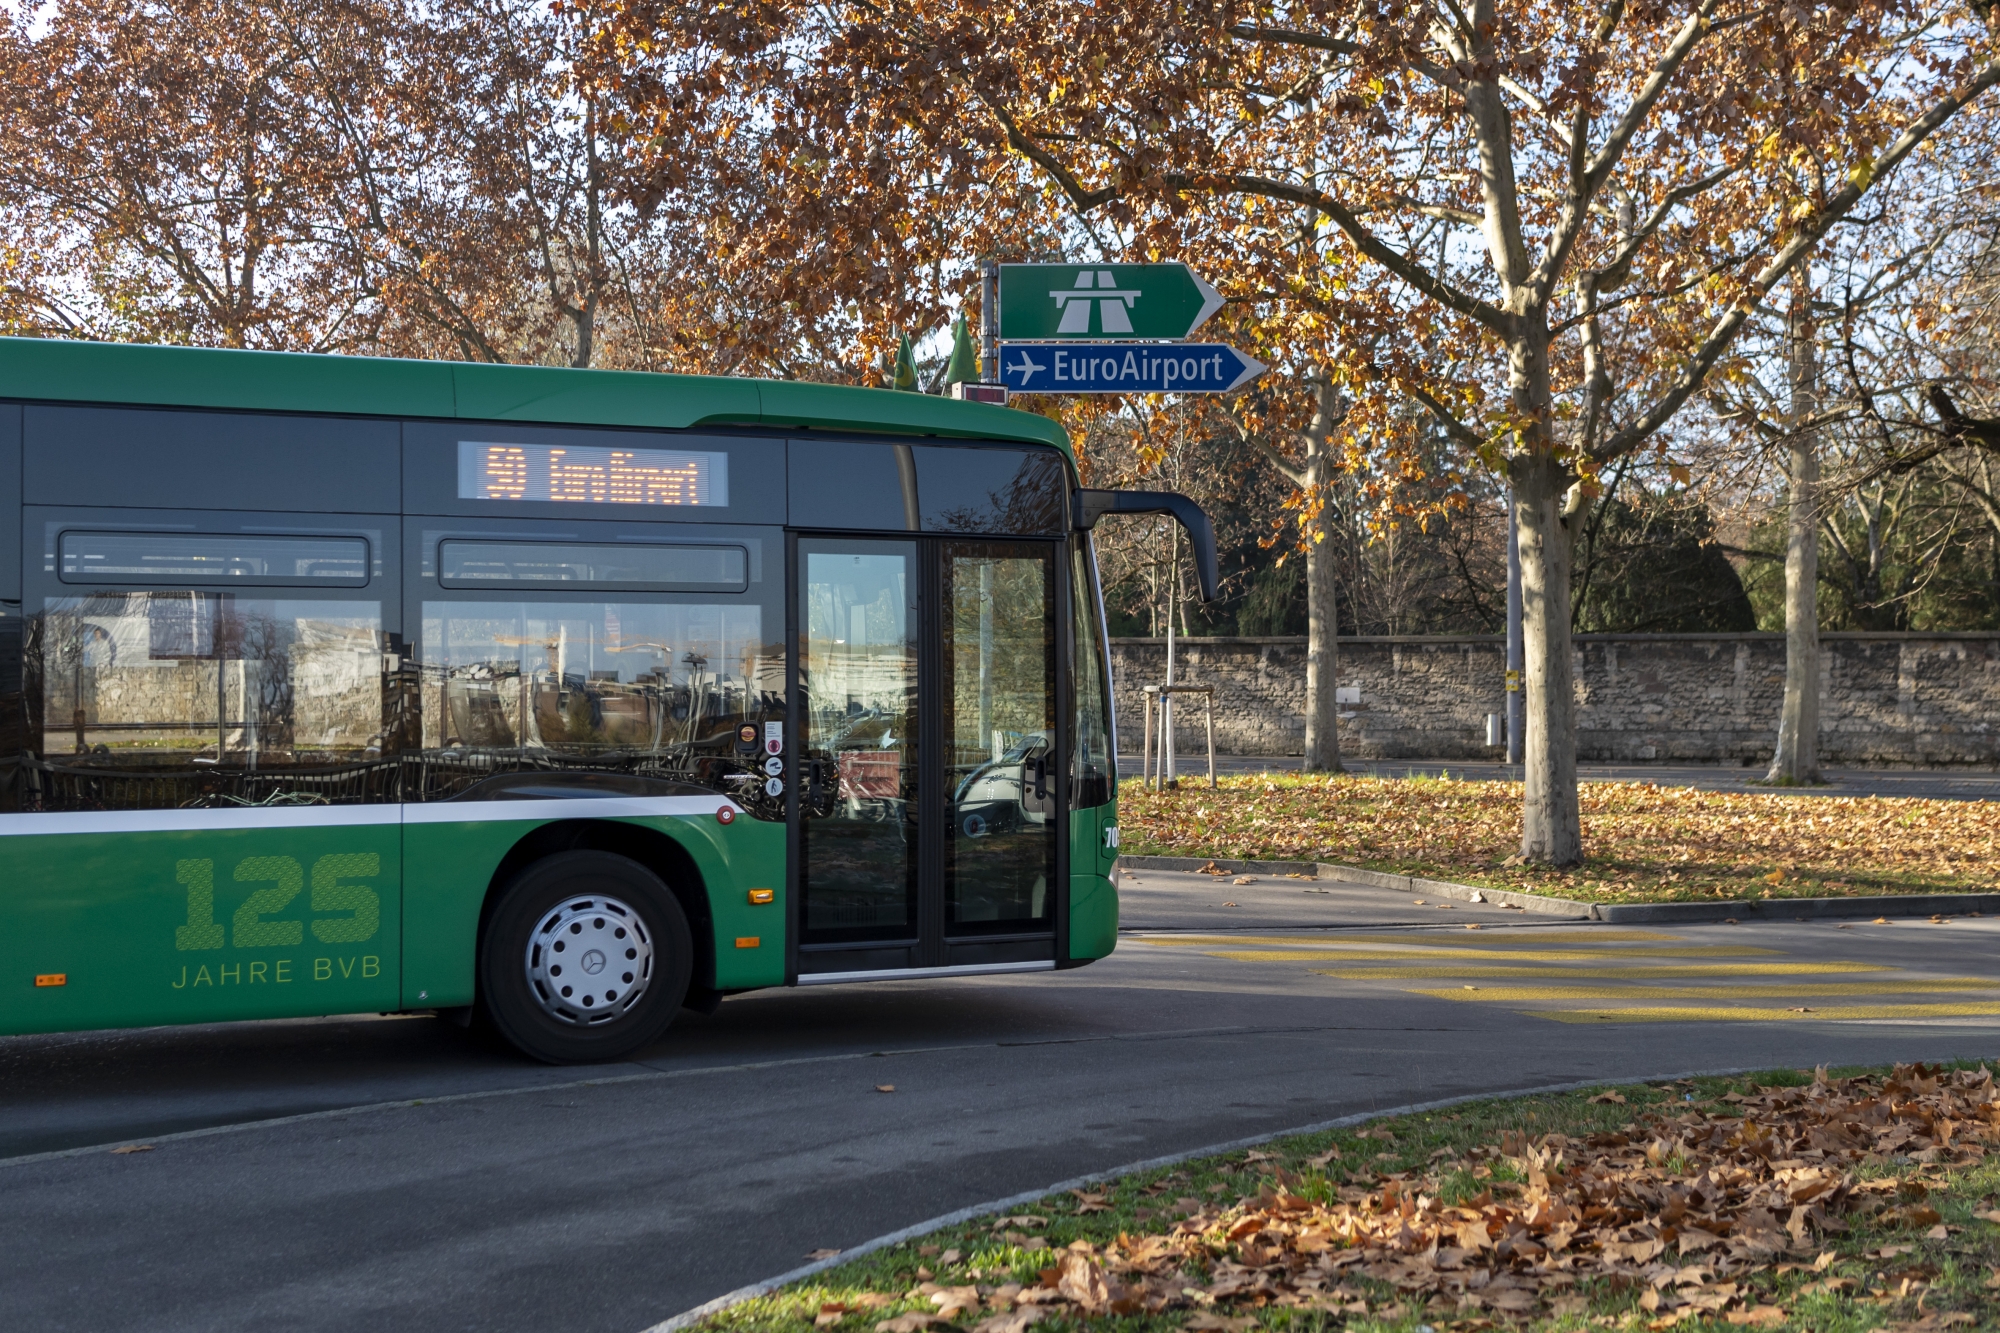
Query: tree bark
(1551,825)
(1322,607)
(1797,758)
(1322,657)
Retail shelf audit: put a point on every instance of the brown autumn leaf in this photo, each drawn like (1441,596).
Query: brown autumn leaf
(885,1087)
(821,1254)
(1756,1314)
(1208,1321)
(1011,1321)
(914,1322)
(131,1148)
(1610,1098)
(1087,1202)
(954,1301)
(1081,1280)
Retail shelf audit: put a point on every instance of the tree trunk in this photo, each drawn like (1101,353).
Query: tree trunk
(1551,826)
(1322,607)
(1322,657)
(1797,758)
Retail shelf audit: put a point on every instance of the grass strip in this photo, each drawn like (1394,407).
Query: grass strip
(1792,1200)
(1642,842)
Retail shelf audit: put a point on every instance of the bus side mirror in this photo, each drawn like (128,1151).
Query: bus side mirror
(1093,505)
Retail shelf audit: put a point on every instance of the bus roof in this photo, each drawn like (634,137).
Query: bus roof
(53,370)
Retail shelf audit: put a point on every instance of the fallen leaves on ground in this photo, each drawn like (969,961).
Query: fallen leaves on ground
(1688,1204)
(1643,842)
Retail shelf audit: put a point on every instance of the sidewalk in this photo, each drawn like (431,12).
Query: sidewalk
(1944,784)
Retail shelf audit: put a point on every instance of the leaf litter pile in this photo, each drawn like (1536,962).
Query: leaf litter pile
(1690,1210)
(1642,842)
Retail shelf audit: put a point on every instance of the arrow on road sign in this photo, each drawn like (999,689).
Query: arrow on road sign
(1097,301)
(1125,367)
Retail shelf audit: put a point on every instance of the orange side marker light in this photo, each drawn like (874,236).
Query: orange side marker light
(52,979)
(748,941)
(763,895)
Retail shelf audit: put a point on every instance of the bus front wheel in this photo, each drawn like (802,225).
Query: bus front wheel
(586,958)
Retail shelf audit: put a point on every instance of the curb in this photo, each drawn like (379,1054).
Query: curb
(1310,869)
(1444,888)
(1810,909)
(1762,909)
(689,1318)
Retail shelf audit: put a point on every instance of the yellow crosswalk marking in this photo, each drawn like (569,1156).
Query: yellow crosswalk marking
(1504,935)
(1643,971)
(1489,955)
(1881,986)
(1732,1015)
(1570,960)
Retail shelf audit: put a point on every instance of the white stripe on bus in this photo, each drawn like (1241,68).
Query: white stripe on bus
(81,822)
(600,807)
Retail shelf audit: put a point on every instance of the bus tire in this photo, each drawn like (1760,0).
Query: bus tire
(586,958)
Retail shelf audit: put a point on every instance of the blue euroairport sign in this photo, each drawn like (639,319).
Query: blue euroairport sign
(1125,367)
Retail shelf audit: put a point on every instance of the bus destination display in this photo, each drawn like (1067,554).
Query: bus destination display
(591,474)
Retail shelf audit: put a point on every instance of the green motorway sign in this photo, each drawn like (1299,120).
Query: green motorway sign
(1040,302)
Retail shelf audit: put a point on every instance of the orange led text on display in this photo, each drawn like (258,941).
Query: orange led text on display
(590,474)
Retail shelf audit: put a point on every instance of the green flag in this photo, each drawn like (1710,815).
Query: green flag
(905,377)
(964,367)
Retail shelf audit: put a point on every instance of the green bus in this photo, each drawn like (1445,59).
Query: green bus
(559,698)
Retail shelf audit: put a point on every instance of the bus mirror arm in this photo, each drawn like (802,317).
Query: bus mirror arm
(1093,505)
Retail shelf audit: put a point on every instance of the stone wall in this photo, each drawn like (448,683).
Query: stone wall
(1896,699)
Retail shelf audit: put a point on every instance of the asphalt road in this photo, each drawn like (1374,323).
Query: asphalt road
(518,1197)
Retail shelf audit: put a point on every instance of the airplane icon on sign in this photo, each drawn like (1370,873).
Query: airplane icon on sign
(1026,369)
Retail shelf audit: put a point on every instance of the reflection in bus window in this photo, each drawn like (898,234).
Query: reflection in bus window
(195,698)
(1000,663)
(240,558)
(858,685)
(479,564)
(654,690)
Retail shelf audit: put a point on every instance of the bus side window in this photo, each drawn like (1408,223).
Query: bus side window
(167,699)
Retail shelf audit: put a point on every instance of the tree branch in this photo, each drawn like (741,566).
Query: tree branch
(1492,316)
(1257,32)
(1080,198)
(1453,427)
(1726,329)
(1569,224)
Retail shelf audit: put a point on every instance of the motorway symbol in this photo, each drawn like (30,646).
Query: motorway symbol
(1094,301)
(1125,367)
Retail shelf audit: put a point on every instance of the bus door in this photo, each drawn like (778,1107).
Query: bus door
(929,815)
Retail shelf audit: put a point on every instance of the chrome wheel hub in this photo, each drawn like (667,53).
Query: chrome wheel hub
(589,961)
